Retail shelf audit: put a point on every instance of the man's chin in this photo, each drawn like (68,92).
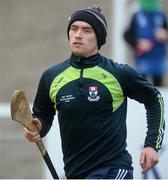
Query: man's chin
(77,53)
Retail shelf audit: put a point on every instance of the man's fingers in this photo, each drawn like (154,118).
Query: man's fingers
(35,138)
(148,159)
(37,123)
(143,162)
(148,164)
(142,159)
(31,136)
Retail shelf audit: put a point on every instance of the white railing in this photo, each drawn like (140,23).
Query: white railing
(4,110)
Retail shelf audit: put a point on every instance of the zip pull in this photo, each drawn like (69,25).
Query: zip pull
(80,62)
(78,59)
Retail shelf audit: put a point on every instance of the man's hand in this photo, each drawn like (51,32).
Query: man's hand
(33,136)
(149,158)
(143,46)
(161,35)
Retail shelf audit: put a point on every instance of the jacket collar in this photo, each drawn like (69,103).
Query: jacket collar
(85,62)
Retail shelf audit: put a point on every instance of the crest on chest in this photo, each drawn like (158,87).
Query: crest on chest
(93,92)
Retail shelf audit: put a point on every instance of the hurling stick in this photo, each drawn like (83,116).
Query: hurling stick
(20,112)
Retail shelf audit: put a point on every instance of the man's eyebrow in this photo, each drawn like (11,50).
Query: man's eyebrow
(86,27)
(83,27)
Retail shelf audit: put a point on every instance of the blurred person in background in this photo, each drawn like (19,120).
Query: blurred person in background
(147,34)
(89,93)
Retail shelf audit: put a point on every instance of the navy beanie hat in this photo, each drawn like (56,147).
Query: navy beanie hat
(95,18)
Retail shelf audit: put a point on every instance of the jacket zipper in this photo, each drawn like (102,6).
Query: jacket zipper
(81,77)
(81,81)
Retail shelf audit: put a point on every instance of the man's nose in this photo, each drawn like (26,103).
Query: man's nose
(78,34)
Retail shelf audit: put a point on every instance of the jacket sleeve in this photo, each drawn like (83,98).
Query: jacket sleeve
(165,22)
(43,107)
(129,34)
(139,89)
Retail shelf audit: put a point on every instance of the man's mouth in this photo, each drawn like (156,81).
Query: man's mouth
(77,43)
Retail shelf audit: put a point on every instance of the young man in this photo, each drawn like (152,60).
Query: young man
(89,93)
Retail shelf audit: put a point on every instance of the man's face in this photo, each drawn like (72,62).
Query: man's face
(82,39)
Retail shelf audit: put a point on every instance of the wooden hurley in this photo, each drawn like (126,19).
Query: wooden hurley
(20,112)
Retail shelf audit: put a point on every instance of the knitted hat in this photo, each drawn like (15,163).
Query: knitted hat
(95,18)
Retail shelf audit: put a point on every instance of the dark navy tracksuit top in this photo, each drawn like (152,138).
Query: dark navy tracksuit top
(90,97)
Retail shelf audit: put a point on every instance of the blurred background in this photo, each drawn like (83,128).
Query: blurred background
(32,38)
